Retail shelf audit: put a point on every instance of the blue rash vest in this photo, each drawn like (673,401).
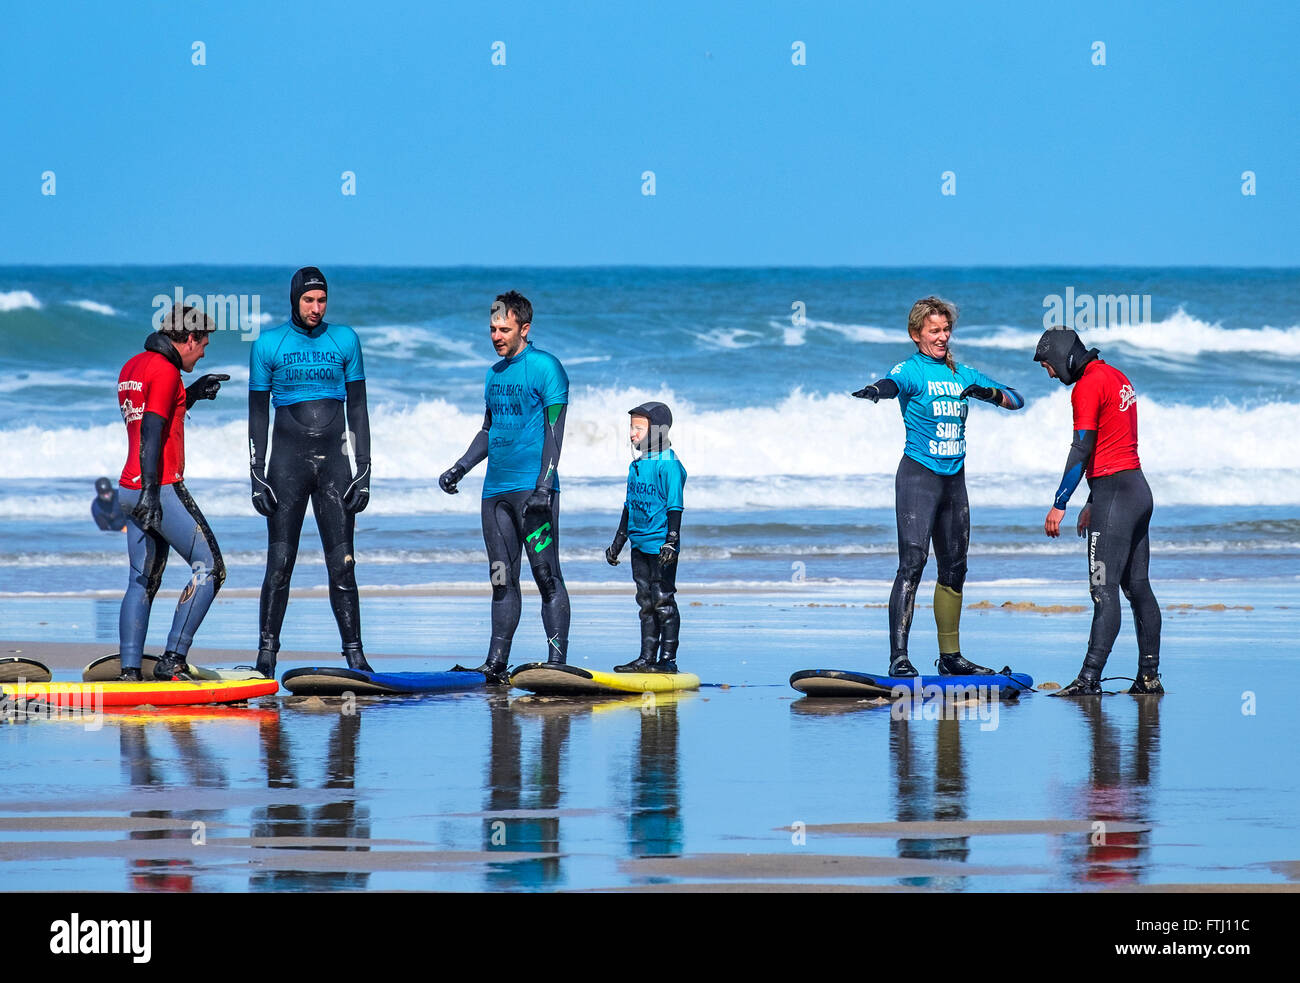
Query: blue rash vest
(517,392)
(655,484)
(929,394)
(297,366)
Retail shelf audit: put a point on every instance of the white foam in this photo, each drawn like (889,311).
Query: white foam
(805,450)
(94,307)
(1178,336)
(17,300)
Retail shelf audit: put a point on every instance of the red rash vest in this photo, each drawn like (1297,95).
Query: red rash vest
(149,383)
(1104,400)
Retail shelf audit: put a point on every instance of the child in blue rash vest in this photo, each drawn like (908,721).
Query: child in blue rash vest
(930,487)
(652,518)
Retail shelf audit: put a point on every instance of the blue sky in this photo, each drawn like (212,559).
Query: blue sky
(757,161)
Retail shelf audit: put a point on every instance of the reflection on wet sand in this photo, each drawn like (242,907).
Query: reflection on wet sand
(524,814)
(143,768)
(341,817)
(930,794)
(1116,791)
(507,793)
(655,820)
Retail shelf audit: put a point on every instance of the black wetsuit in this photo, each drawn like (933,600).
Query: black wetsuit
(108,515)
(929,506)
(505,533)
(308,463)
(1118,555)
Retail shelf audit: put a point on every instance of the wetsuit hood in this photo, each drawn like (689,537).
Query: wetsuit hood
(661,419)
(308,278)
(160,343)
(103,487)
(1065,353)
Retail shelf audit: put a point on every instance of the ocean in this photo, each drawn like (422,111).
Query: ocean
(791,479)
(789,551)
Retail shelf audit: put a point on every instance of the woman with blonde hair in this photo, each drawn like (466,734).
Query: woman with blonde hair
(930,486)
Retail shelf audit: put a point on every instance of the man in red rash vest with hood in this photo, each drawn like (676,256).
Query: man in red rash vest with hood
(1117,517)
(161,515)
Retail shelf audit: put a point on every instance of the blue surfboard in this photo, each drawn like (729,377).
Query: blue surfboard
(843,682)
(337,680)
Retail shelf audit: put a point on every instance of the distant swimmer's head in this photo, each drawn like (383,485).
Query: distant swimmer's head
(188,330)
(649,427)
(1063,355)
(930,324)
(104,489)
(508,324)
(307,294)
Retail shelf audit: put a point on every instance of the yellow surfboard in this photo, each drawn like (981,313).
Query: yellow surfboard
(557,680)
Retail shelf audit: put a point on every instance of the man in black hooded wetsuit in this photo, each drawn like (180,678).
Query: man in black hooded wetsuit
(312,371)
(1117,517)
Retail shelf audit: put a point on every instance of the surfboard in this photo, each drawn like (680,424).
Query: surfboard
(842,682)
(14,669)
(556,680)
(92,696)
(337,680)
(107,669)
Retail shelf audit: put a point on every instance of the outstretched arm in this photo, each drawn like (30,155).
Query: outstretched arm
(1003,396)
(880,389)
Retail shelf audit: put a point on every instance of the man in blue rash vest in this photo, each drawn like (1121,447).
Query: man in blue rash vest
(652,519)
(930,486)
(313,373)
(162,514)
(526,396)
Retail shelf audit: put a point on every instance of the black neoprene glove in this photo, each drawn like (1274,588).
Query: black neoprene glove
(451,478)
(357,497)
(668,552)
(264,499)
(614,549)
(868,392)
(148,510)
(204,387)
(986,393)
(538,501)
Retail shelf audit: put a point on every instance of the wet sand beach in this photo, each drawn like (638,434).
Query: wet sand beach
(744,785)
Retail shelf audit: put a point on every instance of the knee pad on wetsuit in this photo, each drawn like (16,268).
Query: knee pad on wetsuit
(953,575)
(545,582)
(340,564)
(153,576)
(1102,593)
(279,563)
(911,563)
(662,599)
